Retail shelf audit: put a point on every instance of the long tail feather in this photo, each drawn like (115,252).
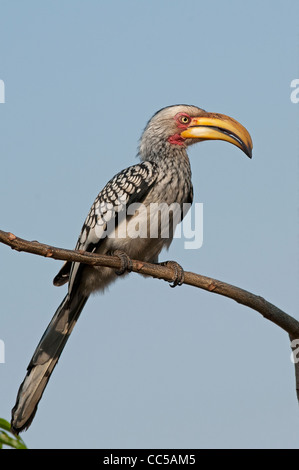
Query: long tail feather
(44,360)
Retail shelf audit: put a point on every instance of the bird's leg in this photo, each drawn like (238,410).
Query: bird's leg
(126,262)
(179,274)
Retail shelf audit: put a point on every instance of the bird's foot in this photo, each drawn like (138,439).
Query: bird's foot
(178,271)
(126,262)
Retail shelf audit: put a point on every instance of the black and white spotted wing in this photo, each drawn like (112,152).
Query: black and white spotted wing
(129,186)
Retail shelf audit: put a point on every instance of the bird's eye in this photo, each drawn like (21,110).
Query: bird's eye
(183,119)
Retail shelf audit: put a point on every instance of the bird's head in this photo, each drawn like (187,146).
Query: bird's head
(176,127)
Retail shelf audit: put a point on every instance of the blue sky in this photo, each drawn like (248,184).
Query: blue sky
(148,366)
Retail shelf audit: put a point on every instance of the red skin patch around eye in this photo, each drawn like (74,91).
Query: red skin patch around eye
(176,139)
(180,124)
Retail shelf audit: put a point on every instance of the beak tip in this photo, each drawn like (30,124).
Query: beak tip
(249,152)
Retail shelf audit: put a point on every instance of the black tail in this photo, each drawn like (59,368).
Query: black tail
(44,360)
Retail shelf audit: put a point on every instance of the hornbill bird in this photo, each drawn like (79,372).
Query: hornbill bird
(162,176)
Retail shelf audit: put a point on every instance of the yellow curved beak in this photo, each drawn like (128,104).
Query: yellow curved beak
(215,126)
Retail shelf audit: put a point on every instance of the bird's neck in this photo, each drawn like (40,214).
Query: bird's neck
(163,151)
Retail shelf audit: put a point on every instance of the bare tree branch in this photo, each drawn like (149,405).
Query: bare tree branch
(255,302)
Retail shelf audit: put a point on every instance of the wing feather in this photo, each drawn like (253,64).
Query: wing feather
(128,186)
